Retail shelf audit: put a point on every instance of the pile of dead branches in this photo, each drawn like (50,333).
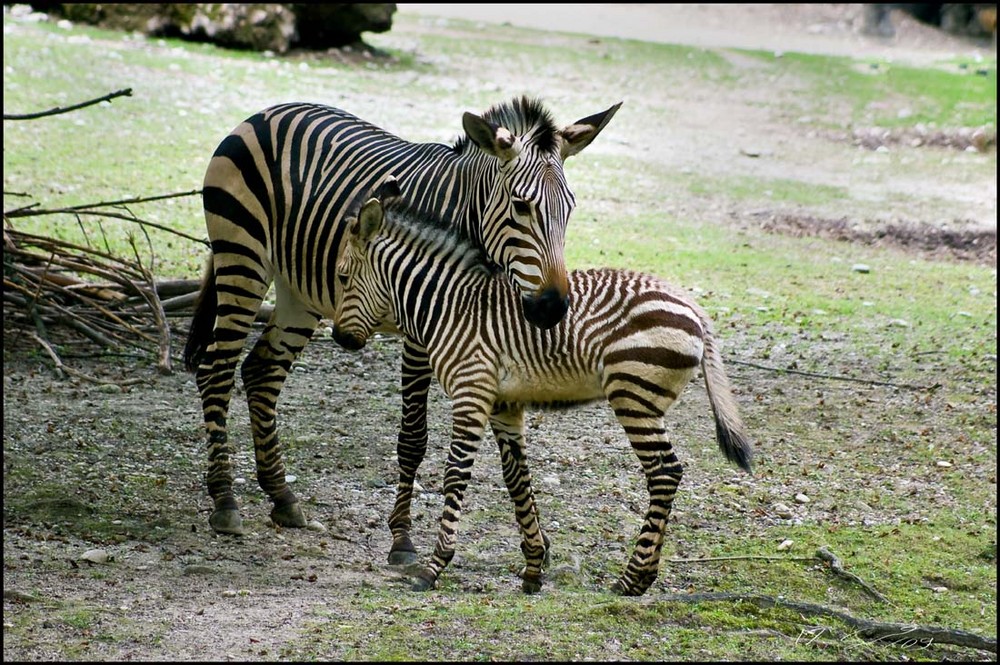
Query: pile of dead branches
(52,287)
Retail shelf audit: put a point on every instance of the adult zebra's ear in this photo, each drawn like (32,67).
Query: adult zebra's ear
(497,141)
(578,136)
(369,220)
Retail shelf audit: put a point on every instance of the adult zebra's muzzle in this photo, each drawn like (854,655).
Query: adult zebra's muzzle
(347,340)
(546,309)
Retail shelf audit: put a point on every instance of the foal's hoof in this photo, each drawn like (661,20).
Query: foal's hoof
(421,583)
(402,558)
(227,521)
(289,515)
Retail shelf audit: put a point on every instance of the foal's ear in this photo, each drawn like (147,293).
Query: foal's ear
(369,220)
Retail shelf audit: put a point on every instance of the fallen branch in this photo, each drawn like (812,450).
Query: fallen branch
(835,377)
(822,554)
(907,635)
(127,92)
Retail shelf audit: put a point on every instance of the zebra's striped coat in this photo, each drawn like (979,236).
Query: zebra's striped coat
(629,338)
(276,193)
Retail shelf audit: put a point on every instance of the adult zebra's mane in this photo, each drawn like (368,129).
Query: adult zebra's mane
(523,116)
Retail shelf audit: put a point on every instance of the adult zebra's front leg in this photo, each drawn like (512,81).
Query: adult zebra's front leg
(264,372)
(508,427)
(412,446)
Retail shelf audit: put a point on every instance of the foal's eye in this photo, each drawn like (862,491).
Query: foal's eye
(342,278)
(521,207)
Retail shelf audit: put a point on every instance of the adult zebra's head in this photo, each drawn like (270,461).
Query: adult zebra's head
(528,206)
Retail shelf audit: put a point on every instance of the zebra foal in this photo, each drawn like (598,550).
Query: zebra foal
(276,194)
(629,338)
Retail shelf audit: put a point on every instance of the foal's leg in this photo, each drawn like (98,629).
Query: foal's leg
(639,406)
(470,411)
(411,448)
(508,427)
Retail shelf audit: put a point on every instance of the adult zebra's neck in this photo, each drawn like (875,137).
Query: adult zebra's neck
(453,187)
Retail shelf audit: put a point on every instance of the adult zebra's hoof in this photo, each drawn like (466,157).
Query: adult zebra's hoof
(402,558)
(289,515)
(227,521)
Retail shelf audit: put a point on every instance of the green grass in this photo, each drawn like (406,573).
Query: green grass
(959,93)
(791,302)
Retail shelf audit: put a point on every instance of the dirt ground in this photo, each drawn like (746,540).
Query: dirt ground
(172,590)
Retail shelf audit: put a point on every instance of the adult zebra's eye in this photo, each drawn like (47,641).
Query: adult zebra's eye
(342,278)
(521,207)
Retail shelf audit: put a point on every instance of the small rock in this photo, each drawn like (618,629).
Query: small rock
(940,589)
(801,498)
(313,525)
(782,511)
(228,593)
(861,267)
(785,545)
(899,323)
(109,388)
(96,556)
(290,478)
(551,480)
(944,465)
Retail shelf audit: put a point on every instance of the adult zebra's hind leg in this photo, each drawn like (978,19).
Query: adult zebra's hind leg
(411,448)
(264,372)
(227,305)
(508,427)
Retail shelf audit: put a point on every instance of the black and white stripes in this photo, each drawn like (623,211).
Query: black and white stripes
(276,193)
(629,338)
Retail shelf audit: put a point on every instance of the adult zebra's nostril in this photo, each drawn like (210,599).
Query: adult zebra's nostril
(546,310)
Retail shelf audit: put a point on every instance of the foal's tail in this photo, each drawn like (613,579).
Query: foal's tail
(729,429)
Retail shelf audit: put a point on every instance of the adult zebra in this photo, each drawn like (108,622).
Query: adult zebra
(629,338)
(275,195)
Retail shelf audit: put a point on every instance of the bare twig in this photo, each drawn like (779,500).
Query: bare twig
(127,92)
(822,554)
(835,377)
(907,635)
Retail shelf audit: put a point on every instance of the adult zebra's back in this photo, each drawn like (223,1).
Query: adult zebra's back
(275,196)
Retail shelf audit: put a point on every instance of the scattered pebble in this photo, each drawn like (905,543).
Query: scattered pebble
(290,478)
(944,465)
(785,545)
(861,267)
(313,525)
(96,556)
(109,388)
(782,511)
(801,498)
(551,480)
(940,589)
(899,323)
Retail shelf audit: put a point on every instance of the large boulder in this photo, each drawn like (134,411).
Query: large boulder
(255,26)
